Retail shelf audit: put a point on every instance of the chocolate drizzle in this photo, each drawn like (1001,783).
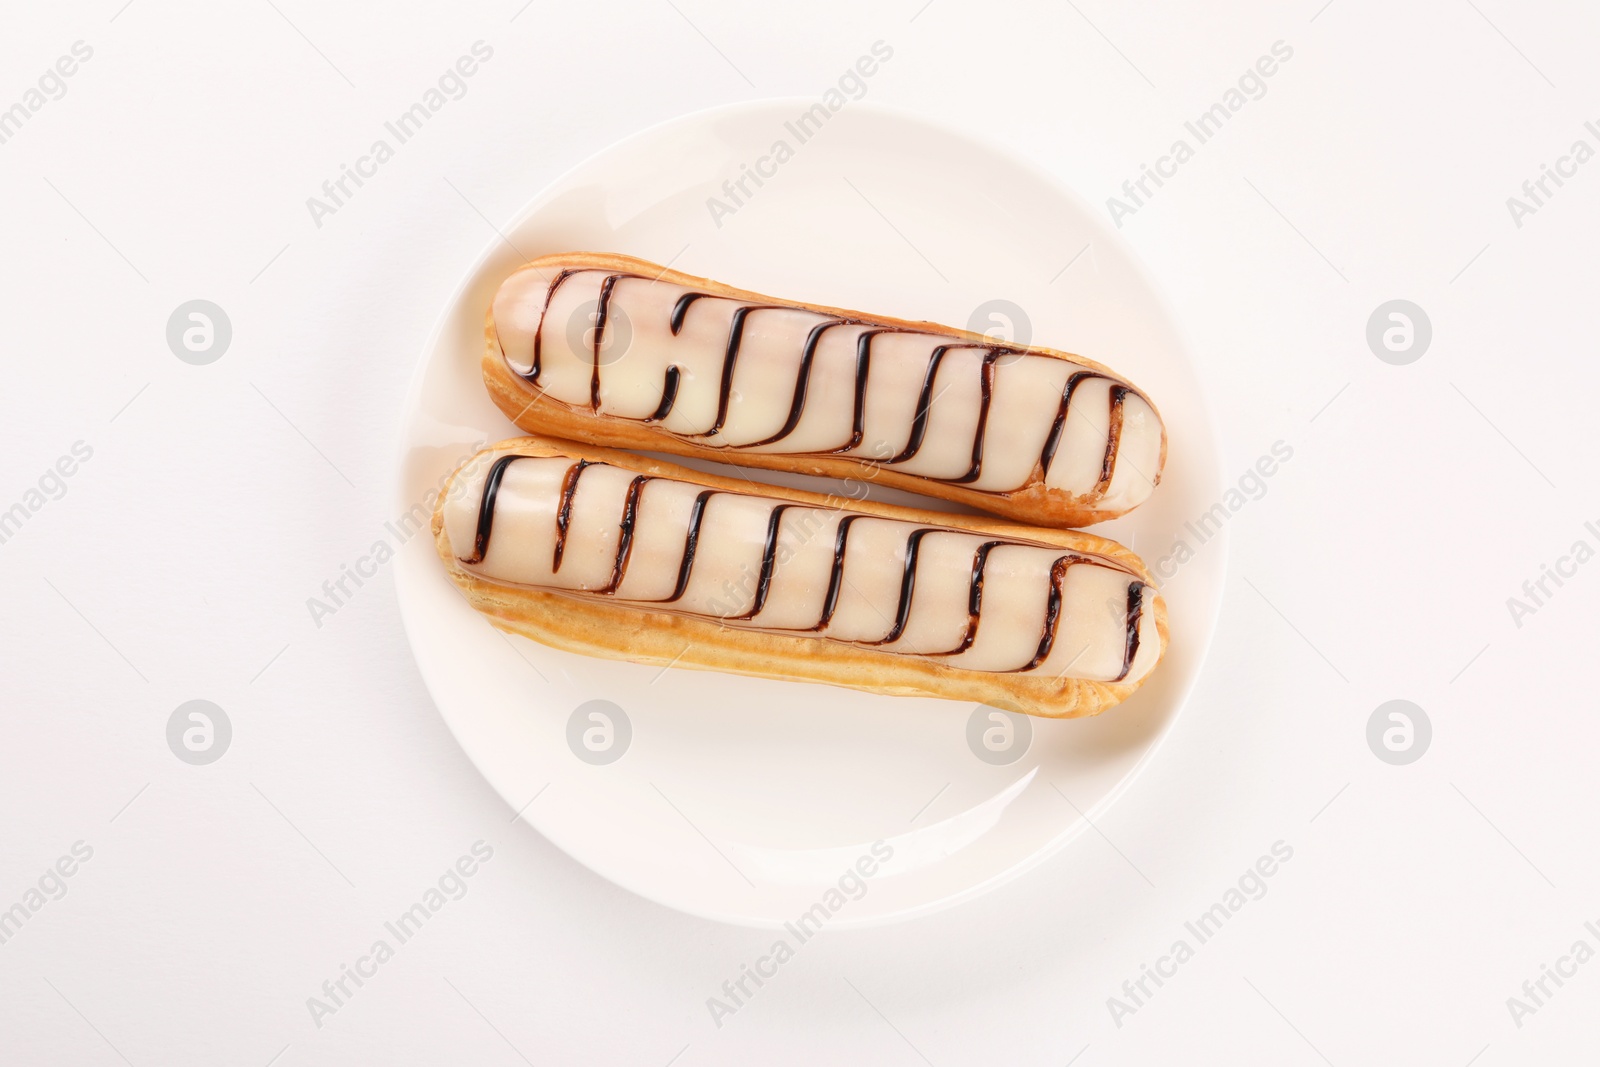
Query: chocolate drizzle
(830,600)
(602,308)
(974,598)
(691,541)
(491,489)
(986,388)
(681,308)
(1108,465)
(672,381)
(669,394)
(858,417)
(538,334)
(908,585)
(802,381)
(1135,613)
(919,421)
(569,489)
(630,514)
(769,556)
(730,357)
(1118,395)
(1052,610)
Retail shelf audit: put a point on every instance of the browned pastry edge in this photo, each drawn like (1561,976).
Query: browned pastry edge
(531,409)
(620,630)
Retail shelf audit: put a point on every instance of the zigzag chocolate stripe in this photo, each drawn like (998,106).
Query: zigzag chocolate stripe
(916,432)
(637,491)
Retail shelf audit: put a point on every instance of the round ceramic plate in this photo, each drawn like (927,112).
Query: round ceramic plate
(756,801)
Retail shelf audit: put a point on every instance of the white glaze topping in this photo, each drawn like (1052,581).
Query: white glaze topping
(777,378)
(975,601)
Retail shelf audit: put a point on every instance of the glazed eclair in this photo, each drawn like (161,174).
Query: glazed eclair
(616,351)
(611,554)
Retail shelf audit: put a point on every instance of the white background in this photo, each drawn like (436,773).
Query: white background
(218,498)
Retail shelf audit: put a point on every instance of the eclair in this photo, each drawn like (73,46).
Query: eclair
(615,351)
(611,554)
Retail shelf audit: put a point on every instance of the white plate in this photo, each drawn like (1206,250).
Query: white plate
(741,799)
